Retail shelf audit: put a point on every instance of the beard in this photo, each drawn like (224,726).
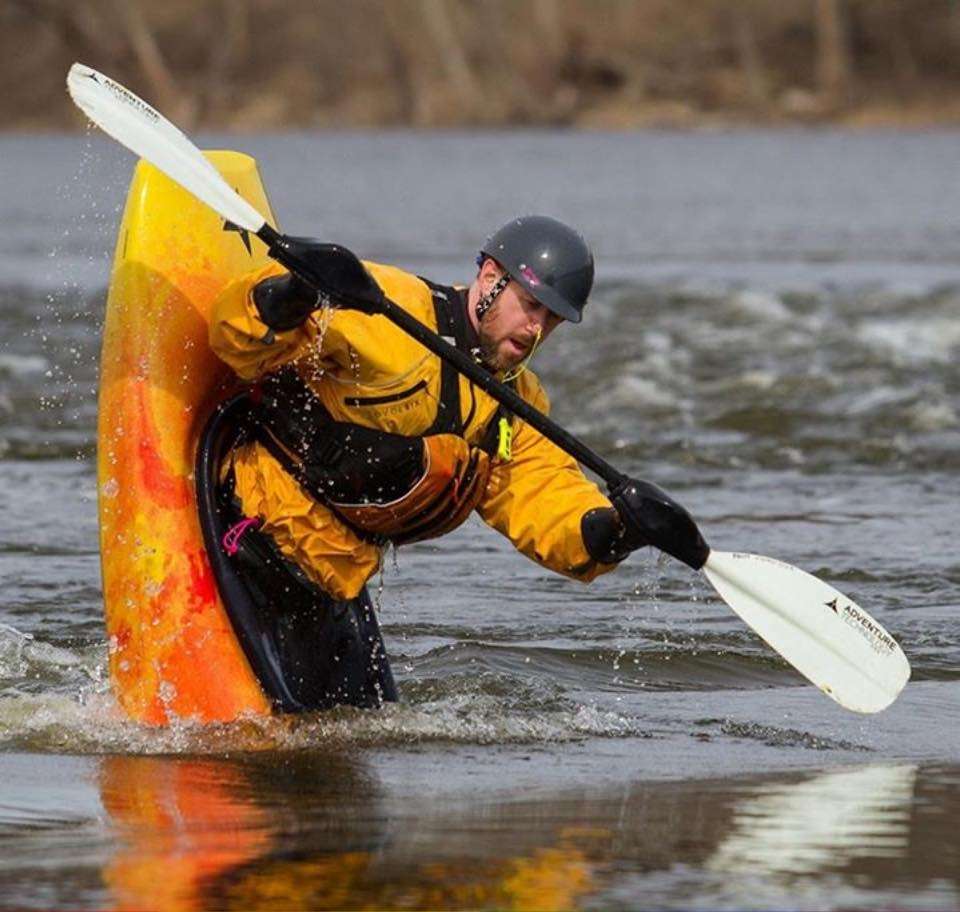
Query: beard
(492,357)
(490,347)
(490,354)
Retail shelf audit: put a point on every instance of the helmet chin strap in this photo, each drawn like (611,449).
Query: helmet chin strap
(486,301)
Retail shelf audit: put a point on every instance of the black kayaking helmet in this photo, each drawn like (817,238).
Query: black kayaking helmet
(549,259)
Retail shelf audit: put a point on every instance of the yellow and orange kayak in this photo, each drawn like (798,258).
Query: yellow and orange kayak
(173,652)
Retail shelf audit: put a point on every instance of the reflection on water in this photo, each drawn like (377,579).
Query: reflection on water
(820,824)
(877,837)
(177,824)
(323,831)
(305,832)
(192,833)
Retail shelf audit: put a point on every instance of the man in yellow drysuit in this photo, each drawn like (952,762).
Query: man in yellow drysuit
(363,437)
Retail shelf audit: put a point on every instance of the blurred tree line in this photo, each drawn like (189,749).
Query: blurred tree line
(252,64)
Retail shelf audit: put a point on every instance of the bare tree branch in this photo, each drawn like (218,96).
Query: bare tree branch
(163,86)
(833,55)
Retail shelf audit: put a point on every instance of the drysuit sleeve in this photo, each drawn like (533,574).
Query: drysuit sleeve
(539,497)
(239,336)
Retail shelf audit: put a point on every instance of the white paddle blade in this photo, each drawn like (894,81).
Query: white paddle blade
(825,636)
(143,130)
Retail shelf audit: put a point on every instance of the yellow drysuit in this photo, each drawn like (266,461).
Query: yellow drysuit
(352,362)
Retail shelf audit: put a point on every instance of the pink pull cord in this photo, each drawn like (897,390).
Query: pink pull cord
(231,538)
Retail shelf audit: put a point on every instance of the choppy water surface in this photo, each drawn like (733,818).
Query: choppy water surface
(774,338)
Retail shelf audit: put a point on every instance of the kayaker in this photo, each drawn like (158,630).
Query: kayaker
(358,437)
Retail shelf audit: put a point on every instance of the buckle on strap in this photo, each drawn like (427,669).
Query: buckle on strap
(504,440)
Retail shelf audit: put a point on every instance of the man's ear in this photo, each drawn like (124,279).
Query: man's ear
(489,272)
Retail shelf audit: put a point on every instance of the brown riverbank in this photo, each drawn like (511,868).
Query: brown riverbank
(267,64)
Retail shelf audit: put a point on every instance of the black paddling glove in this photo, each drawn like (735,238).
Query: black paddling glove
(284,301)
(643,515)
(335,272)
(650,514)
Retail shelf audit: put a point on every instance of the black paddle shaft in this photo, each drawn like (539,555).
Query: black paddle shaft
(336,272)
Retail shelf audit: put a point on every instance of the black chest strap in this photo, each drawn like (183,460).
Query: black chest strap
(449,307)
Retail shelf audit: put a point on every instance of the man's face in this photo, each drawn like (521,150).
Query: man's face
(510,328)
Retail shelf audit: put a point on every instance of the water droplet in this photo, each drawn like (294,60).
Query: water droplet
(167,692)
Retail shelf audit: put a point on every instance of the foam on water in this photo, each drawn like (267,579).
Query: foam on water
(22,365)
(92,722)
(921,339)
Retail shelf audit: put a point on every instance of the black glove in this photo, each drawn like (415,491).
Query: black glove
(644,515)
(606,537)
(284,301)
(651,516)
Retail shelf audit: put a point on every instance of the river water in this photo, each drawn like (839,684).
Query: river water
(774,338)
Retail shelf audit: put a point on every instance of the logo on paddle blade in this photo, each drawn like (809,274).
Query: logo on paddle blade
(125,95)
(880,641)
(244,234)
